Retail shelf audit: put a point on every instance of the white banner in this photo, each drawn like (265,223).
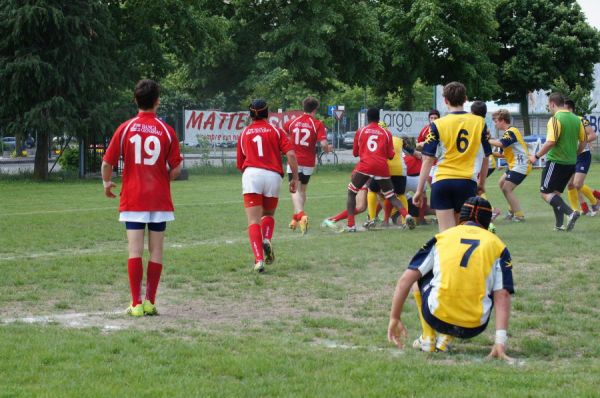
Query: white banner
(404,123)
(224,127)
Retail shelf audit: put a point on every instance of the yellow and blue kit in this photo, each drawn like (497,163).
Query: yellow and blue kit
(459,141)
(515,151)
(461,268)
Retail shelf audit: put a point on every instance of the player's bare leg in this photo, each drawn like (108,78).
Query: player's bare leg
(356,183)
(447,218)
(508,189)
(300,218)
(135,269)
(155,265)
(388,192)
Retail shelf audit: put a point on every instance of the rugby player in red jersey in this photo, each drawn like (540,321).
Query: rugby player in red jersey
(374,146)
(259,150)
(151,159)
(304,132)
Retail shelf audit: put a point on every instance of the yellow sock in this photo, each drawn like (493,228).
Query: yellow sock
(372,204)
(574,200)
(520,213)
(428,332)
(402,199)
(587,191)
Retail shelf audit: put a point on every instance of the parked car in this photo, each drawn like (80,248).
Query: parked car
(348,141)
(9,143)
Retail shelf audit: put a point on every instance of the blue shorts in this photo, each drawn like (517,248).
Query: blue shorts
(515,177)
(437,324)
(452,193)
(152,226)
(584,161)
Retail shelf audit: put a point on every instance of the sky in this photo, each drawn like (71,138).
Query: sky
(591,8)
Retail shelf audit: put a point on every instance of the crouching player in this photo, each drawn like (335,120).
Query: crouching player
(461,274)
(259,150)
(147,146)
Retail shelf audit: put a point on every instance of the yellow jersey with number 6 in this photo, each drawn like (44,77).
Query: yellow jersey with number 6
(459,142)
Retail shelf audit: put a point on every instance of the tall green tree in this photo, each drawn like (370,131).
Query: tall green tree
(55,62)
(540,41)
(584,103)
(438,41)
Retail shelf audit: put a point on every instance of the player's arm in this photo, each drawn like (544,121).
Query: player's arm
(240,157)
(396,330)
(554,129)
(355,150)
(583,139)
(175,172)
(428,155)
(174,158)
(503,287)
(106,170)
(325,147)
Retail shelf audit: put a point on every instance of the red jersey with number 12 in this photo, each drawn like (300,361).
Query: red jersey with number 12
(146,145)
(260,145)
(304,132)
(374,145)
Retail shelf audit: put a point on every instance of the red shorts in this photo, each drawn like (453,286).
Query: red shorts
(257,199)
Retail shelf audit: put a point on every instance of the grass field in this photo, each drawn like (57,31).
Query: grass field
(313,325)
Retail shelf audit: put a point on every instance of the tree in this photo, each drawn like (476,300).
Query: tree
(55,62)
(540,41)
(584,103)
(438,42)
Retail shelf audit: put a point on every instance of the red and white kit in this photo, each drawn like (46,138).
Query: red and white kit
(147,146)
(373,144)
(305,132)
(259,150)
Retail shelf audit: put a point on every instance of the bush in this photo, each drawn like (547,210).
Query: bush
(69,161)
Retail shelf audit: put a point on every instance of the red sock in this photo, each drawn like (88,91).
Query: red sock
(403,212)
(378,209)
(351,221)
(255,235)
(387,210)
(135,268)
(152,279)
(268,225)
(342,216)
(585,208)
(298,216)
(596,194)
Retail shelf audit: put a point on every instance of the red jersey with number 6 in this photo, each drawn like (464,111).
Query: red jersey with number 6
(260,145)
(374,145)
(304,132)
(147,145)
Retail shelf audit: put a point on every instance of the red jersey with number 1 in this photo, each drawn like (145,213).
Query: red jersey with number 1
(373,144)
(147,145)
(304,132)
(260,145)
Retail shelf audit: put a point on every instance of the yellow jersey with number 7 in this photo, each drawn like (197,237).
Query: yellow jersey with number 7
(460,143)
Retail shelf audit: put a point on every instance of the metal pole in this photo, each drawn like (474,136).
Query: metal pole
(81,158)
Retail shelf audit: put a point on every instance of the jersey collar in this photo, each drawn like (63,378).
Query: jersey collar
(147,113)
(458,112)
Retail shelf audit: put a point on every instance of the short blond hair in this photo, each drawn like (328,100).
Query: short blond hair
(502,114)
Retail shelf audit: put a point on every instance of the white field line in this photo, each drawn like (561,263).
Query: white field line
(103,249)
(92,209)
(73,320)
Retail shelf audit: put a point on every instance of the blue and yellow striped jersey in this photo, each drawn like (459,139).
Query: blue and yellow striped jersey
(516,151)
(468,263)
(459,141)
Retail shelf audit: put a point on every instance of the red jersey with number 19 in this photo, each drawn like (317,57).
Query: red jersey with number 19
(260,145)
(374,145)
(146,145)
(305,131)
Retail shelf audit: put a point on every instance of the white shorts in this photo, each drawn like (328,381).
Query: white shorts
(146,216)
(265,182)
(307,171)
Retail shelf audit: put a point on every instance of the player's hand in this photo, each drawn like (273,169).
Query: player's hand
(329,148)
(418,199)
(293,185)
(108,192)
(480,189)
(397,333)
(532,159)
(498,352)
